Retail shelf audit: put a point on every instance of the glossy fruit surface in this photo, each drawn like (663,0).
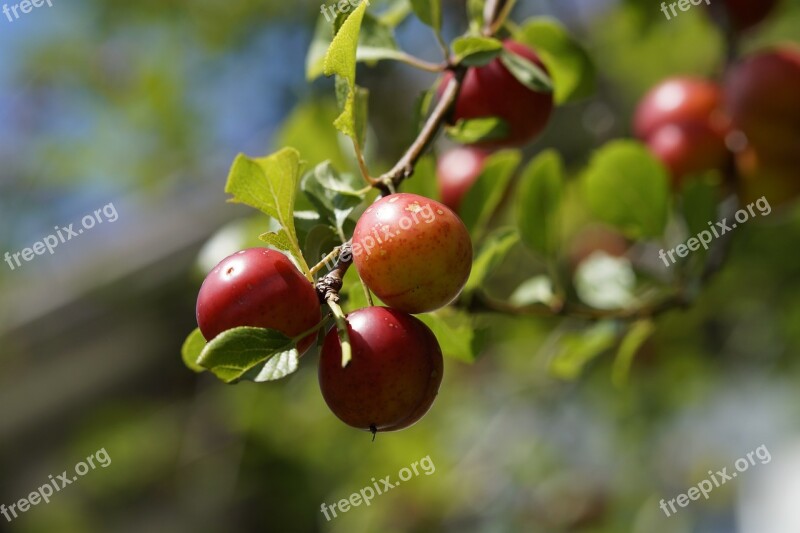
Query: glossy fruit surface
(393,376)
(261,288)
(677,101)
(414,253)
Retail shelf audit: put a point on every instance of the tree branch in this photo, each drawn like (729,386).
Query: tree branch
(405,166)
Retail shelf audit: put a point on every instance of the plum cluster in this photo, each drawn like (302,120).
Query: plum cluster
(413,263)
(747,125)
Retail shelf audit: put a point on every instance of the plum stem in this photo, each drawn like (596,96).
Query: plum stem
(341,327)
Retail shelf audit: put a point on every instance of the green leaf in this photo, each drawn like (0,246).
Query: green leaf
(633,341)
(320,241)
(538,201)
(277,367)
(527,73)
(494,249)
(377,41)
(269,184)
(429,12)
(457,334)
(236,352)
(627,187)
(191,350)
(485,195)
(571,68)
(471,131)
(476,51)
(340,60)
(576,350)
(334,195)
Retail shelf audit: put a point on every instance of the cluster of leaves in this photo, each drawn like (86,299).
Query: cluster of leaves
(623,186)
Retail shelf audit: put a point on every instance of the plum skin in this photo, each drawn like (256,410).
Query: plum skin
(261,288)
(414,253)
(456,173)
(493,91)
(683,124)
(393,377)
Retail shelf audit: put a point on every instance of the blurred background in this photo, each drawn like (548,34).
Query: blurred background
(145,104)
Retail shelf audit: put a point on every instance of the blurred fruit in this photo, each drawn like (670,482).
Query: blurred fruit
(688,149)
(744,14)
(682,122)
(777,180)
(456,171)
(762,95)
(596,238)
(677,101)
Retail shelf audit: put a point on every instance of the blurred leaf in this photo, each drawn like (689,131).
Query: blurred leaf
(476,51)
(538,202)
(396,13)
(470,131)
(605,282)
(457,334)
(475,14)
(377,41)
(320,42)
(429,12)
(191,350)
(485,195)
(423,180)
(627,187)
(422,107)
(533,291)
(572,70)
(700,198)
(308,129)
(340,60)
(576,350)
(494,249)
(270,185)
(235,353)
(637,335)
(527,73)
